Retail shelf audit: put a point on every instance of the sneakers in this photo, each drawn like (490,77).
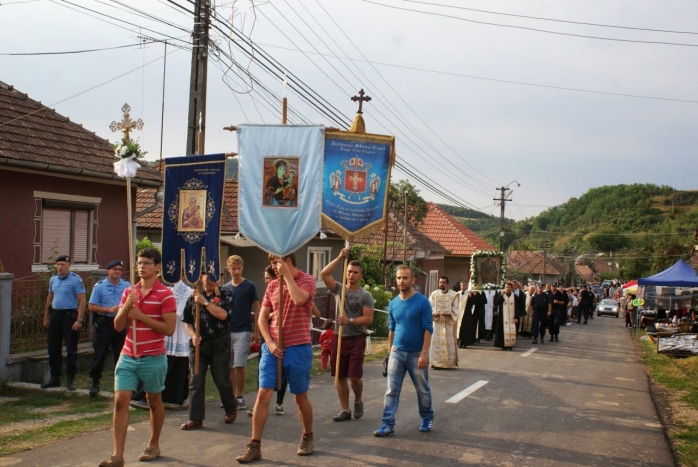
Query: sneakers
(279,409)
(149,454)
(138,404)
(241,403)
(94,390)
(358,410)
(384,430)
(253,452)
(52,383)
(112,461)
(426,425)
(306,447)
(70,385)
(342,416)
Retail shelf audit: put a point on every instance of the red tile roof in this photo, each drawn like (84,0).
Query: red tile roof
(585,273)
(451,234)
(601,266)
(531,262)
(416,241)
(31,133)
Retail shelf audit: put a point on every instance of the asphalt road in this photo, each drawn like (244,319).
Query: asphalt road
(581,402)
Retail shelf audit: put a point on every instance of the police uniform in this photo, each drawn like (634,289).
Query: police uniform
(106,295)
(63,315)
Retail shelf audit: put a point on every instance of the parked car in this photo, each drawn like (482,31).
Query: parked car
(598,291)
(608,307)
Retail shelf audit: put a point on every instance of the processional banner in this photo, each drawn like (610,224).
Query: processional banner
(279,178)
(191,222)
(355,182)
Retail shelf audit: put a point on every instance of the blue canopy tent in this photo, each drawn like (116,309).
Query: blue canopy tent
(678,275)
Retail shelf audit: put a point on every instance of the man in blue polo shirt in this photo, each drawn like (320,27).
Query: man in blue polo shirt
(66,303)
(104,304)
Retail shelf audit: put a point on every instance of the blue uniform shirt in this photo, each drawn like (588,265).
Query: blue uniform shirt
(65,291)
(107,295)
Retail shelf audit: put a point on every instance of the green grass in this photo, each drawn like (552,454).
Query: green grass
(35,416)
(680,378)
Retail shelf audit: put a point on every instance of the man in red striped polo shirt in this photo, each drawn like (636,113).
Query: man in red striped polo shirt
(151,308)
(296,353)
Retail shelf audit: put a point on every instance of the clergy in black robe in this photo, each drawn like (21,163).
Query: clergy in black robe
(507,310)
(479,316)
(468,328)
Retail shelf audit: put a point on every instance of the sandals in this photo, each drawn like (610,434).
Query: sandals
(192,425)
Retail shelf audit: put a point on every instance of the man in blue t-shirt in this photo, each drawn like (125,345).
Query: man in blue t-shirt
(104,304)
(66,303)
(245,303)
(409,339)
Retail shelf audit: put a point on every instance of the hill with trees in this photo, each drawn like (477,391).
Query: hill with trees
(643,227)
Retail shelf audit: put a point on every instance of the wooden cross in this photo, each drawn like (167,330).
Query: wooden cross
(126,125)
(360,99)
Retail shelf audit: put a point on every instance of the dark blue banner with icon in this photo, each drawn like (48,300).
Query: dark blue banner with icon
(355,182)
(191,223)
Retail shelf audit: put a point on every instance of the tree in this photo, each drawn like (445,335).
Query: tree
(416,206)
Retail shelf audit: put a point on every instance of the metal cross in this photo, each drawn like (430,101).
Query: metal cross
(126,125)
(360,99)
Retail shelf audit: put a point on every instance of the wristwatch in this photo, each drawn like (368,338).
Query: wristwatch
(351,320)
(206,303)
(81,321)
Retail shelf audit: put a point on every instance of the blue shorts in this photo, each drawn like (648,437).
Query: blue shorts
(151,370)
(298,360)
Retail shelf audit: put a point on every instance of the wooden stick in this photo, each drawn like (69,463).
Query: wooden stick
(280,343)
(341,327)
(197,328)
(284,110)
(131,256)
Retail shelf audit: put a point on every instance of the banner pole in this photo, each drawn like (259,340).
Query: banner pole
(131,256)
(197,349)
(279,361)
(341,313)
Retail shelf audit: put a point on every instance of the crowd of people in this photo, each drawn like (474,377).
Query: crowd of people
(157,346)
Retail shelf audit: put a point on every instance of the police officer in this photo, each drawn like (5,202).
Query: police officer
(542,311)
(66,303)
(104,303)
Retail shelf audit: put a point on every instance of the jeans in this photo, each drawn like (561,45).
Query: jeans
(399,363)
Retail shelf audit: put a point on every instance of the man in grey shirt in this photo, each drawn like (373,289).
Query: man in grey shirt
(358,314)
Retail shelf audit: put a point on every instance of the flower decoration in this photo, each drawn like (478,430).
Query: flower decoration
(215,300)
(474,276)
(126,149)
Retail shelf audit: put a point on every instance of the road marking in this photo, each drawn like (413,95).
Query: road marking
(529,352)
(466,392)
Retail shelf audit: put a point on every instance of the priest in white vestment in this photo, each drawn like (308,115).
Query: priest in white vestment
(444,345)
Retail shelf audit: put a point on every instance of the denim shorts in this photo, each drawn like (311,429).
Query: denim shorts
(239,348)
(298,360)
(151,370)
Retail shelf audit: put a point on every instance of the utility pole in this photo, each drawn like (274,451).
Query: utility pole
(404,233)
(502,202)
(544,245)
(196,126)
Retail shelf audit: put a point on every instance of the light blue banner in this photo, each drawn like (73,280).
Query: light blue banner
(279,176)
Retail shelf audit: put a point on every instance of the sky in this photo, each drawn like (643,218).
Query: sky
(473,106)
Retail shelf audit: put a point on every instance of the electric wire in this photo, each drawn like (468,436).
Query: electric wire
(68,52)
(679,44)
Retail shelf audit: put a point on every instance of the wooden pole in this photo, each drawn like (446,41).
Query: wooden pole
(131,255)
(279,361)
(341,328)
(197,329)
(280,343)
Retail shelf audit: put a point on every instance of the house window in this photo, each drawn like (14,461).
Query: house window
(65,225)
(433,282)
(317,260)
(64,231)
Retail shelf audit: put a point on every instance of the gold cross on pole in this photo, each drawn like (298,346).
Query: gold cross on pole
(126,125)
(360,99)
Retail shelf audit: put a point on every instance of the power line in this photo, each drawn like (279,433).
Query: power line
(76,51)
(553,20)
(496,80)
(44,107)
(532,29)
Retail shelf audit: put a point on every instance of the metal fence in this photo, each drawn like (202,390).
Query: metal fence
(27,323)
